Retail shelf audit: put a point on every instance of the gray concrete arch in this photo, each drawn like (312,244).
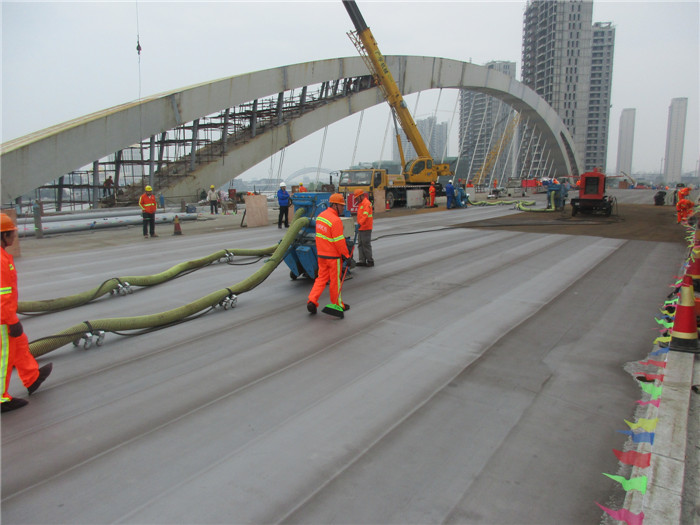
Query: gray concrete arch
(36,159)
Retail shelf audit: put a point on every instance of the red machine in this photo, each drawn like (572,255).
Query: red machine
(591,197)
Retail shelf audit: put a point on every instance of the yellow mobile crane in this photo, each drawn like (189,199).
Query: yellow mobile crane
(417,173)
(492,155)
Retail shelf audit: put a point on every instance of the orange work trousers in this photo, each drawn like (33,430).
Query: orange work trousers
(15,354)
(329,271)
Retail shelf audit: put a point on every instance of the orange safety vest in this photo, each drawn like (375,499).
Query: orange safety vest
(364,215)
(148,203)
(8,290)
(684,208)
(330,241)
(432,190)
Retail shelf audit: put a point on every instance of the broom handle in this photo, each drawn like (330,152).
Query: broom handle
(340,289)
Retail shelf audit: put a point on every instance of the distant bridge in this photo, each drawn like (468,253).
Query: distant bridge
(187,139)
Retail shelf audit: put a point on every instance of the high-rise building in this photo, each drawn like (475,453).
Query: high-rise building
(675,138)
(600,94)
(434,135)
(625,141)
(568,61)
(482,122)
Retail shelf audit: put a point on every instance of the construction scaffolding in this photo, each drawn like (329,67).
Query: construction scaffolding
(162,160)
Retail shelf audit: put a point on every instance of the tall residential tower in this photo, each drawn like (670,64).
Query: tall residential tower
(625,141)
(482,122)
(675,138)
(567,60)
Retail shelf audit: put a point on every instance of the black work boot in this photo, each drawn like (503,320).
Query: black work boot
(311,307)
(44,372)
(13,404)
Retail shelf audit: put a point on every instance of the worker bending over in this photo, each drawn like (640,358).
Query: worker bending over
(332,251)
(15,345)
(685,206)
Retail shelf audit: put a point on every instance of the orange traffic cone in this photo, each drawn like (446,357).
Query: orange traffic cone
(387,205)
(176,223)
(684,336)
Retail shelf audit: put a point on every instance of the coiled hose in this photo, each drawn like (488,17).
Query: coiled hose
(47,344)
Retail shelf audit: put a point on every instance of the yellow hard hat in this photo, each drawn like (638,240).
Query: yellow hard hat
(148,188)
(211,187)
(6,223)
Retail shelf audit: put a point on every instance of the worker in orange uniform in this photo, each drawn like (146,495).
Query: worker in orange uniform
(364,234)
(301,187)
(431,191)
(332,251)
(685,206)
(147,202)
(15,345)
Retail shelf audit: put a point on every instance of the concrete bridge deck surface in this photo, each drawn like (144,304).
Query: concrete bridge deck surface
(477,378)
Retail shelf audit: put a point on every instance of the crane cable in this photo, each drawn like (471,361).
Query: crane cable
(320,158)
(357,138)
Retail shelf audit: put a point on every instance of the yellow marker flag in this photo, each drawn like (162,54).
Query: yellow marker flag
(644,423)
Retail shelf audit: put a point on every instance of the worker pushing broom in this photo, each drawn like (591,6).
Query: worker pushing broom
(332,252)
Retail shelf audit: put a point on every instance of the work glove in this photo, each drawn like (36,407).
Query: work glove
(16,329)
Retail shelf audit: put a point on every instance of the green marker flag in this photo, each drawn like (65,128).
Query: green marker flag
(646,424)
(638,483)
(650,388)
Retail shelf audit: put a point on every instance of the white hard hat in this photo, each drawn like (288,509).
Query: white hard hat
(282,184)
(450,181)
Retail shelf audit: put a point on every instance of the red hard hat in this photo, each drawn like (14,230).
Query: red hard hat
(6,224)
(358,192)
(337,198)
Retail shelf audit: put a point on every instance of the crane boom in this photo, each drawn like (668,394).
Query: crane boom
(380,70)
(422,169)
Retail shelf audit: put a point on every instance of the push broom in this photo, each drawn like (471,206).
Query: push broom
(334,309)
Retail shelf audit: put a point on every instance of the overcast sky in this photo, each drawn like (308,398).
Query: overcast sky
(62,60)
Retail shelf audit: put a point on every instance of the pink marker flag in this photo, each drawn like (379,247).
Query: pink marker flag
(655,402)
(624,515)
(634,458)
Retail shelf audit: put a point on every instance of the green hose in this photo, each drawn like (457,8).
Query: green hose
(500,203)
(110,285)
(549,208)
(116,283)
(48,344)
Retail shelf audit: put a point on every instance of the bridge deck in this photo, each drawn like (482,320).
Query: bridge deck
(477,378)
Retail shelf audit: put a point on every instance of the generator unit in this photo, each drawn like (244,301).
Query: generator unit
(591,198)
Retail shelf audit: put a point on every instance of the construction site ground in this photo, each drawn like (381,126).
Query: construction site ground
(482,376)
